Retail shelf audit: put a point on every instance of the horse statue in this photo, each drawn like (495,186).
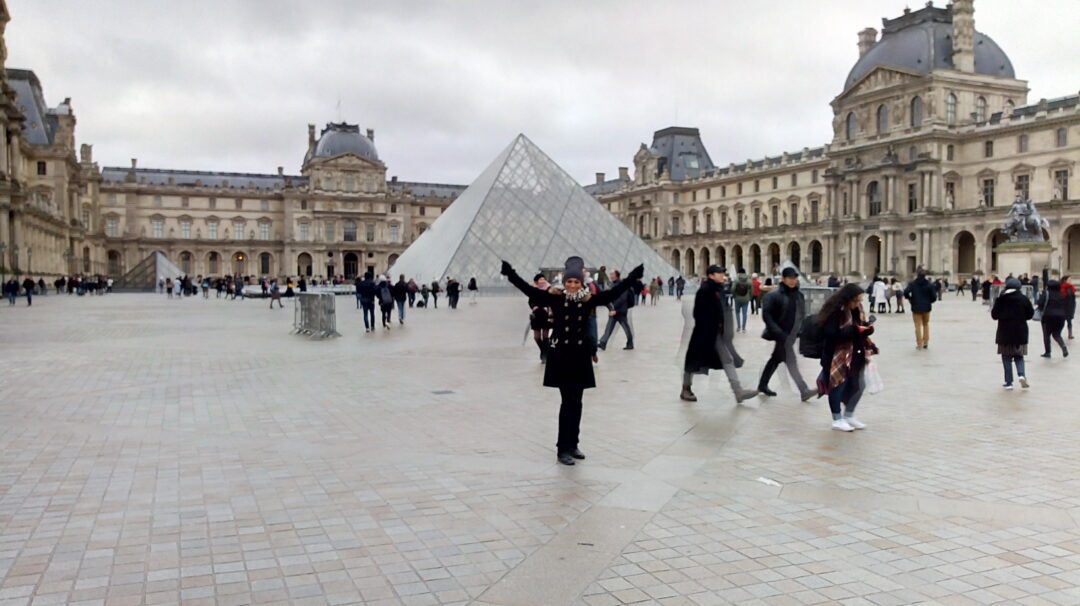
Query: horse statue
(1024,223)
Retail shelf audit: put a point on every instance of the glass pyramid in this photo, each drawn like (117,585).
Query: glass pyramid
(145,275)
(527,210)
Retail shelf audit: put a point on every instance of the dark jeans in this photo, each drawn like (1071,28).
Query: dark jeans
(401,310)
(782,354)
(569,419)
(412,298)
(435,300)
(386,310)
(369,311)
(1007,362)
(11,297)
(453,300)
(849,393)
(755,303)
(620,319)
(30,301)
(740,314)
(1052,329)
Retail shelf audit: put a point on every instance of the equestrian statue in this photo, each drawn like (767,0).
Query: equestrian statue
(1024,223)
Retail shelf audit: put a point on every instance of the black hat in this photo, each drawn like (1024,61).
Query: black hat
(715,269)
(575,268)
(789,272)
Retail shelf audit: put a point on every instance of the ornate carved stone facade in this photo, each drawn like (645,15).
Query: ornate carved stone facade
(927,153)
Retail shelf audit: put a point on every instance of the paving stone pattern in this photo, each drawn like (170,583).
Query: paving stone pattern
(193,451)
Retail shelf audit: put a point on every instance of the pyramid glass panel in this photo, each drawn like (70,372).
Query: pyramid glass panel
(527,210)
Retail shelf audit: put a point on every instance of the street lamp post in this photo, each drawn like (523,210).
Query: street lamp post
(29,253)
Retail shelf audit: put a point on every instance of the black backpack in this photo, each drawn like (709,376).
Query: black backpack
(811,337)
(741,288)
(632,295)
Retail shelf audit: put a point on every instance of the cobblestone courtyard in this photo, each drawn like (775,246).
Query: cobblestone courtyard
(157,452)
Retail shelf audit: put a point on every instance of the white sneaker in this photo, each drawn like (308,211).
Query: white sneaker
(855,423)
(1008,386)
(1023,382)
(842,425)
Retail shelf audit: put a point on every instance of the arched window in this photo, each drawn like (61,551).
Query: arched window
(849,129)
(882,119)
(980,109)
(950,109)
(916,112)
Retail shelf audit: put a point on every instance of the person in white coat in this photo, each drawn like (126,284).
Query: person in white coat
(879,293)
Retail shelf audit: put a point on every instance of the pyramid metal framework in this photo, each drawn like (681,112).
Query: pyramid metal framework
(144,276)
(527,210)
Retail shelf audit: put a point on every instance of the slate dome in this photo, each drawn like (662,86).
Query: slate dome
(342,138)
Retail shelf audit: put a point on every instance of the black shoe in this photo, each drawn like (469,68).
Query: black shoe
(601,346)
(1045,355)
(628,347)
(1064,352)
(687,395)
(565,458)
(765,391)
(577,454)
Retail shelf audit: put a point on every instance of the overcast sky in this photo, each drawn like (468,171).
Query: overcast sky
(230,85)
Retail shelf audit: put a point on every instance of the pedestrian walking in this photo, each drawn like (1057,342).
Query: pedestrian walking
(742,292)
(411,288)
(846,348)
(710,346)
(400,292)
(168,287)
(473,290)
(1012,310)
(1068,292)
(618,313)
(11,290)
(755,295)
(570,365)
(178,287)
(680,285)
(28,286)
(975,288)
(453,292)
(435,290)
(671,286)
(275,294)
(365,294)
(783,309)
(425,292)
(386,301)
(881,296)
(1052,317)
(898,294)
(921,294)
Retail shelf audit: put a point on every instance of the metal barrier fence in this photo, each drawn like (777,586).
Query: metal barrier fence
(314,315)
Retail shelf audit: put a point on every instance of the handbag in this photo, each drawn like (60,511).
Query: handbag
(1038,315)
(872,378)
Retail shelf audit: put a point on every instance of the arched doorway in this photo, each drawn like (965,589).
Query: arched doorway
(872,256)
(795,254)
(676,259)
(303,265)
(690,266)
(1072,249)
(239,264)
(737,256)
(996,237)
(815,256)
(774,258)
(185,262)
(265,264)
(964,244)
(115,263)
(213,263)
(352,266)
(755,259)
(721,257)
(705,263)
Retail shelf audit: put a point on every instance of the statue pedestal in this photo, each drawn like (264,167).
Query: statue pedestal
(1019,258)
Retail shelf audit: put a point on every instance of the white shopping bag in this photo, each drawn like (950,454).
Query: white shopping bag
(871,378)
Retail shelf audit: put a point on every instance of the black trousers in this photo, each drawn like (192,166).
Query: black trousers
(1052,329)
(619,319)
(569,419)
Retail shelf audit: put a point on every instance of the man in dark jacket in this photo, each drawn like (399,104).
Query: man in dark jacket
(921,295)
(28,286)
(400,292)
(618,314)
(453,291)
(783,310)
(710,345)
(365,292)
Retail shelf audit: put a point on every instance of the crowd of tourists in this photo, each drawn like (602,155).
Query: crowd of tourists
(73,285)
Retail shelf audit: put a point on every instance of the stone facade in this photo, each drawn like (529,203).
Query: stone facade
(921,171)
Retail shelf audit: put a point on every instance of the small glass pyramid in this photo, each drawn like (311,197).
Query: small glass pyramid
(527,210)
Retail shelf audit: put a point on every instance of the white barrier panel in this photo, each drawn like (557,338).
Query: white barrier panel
(314,315)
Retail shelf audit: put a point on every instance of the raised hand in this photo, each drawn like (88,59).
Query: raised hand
(637,272)
(506,269)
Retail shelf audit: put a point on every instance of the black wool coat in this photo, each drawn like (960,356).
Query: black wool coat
(1052,302)
(702,354)
(569,361)
(1012,311)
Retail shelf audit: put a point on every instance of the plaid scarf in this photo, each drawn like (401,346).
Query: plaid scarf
(841,359)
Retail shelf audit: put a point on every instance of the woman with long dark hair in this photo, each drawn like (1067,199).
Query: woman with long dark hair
(540,318)
(845,348)
(570,350)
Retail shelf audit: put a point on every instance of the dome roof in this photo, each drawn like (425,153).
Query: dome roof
(921,41)
(342,138)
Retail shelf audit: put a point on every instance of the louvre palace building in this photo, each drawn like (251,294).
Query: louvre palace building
(933,135)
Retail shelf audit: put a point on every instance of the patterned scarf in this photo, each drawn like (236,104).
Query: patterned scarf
(841,359)
(578,296)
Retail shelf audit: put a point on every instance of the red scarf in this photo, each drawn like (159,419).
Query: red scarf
(841,359)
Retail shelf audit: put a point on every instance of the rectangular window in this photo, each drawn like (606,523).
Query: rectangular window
(42,168)
(693,224)
(423,211)
(674,226)
(1061,183)
(1061,137)
(158,228)
(327,183)
(185,229)
(988,192)
(1022,144)
(211,230)
(393,233)
(1023,186)
(757,218)
(950,152)
(723,191)
(912,197)
(813,211)
(303,205)
(739,188)
(693,196)
(112,227)
(86,219)
(846,206)
(775,181)
(238,230)
(393,209)
(794,179)
(775,215)
(794,213)
(239,204)
(157,202)
(369,232)
(814,176)
(349,231)
(708,223)
(213,203)
(328,231)
(264,205)
(950,193)
(350,183)
(305,232)
(757,185)
(739,220)
(184,202)
(723,221)
(264,231)
(988,149)
(708,194)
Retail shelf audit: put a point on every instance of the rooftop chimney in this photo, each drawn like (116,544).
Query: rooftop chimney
(134,163)
(311,136)
(624,173)
(371,134)
(281,171)
(963,38)
(867,39)
(599,178)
